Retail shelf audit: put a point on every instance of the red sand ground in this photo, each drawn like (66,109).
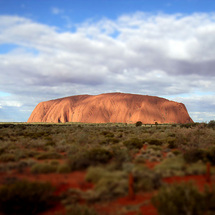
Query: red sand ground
(140,205)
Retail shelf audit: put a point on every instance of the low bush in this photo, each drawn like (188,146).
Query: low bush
(189,125)
(138,123)
(110,187)
(107,133)
(179,199)
(23,197)
(121,154)
(210,155)
(184,198)
(112,140)
(7,157)
(193,155)
(43,168)
(197,168)
(172,144)
(145,179)
(99,155)
(94,174)
(211,124)
(3,149)
(155,142)
(140,159)
(77,209)
(63,168)
(133,143)
(108,184)
(171,166)
(49,155)
(85,158)
(50,141)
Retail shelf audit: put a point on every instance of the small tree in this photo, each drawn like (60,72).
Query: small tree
(211,124)
(138,123)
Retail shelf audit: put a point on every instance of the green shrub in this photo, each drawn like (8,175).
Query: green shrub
(108,184)
(107,133)
(112,140)
(3,149)
(133,143)
(121,155)
(179,199)
(209,197)
(76,209)
(109,140)
(197,168)
(49,155)
(50,141)
(99,155)
(86,158)
(20,154)
(140,159)
(63,168)
(211,124)
(110,187)
(176,152)
(23,197)
(188,125)
(172,144)
(7,157)
(145,179)
(79,161)
(32,153)
(94,174)
(210,155)
(43,168)
(155,142)
(171,166)
(193,155)
(138,123)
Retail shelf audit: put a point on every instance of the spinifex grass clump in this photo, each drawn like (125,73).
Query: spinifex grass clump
(41,168)
(179,199)
(184,199)
(133,143)
(23,197)
(88,157)
(171,166)
(155,142)
(194,155)
(108,184)
(76,209)
(48,155)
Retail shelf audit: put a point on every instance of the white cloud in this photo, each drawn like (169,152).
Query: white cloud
(12,104)
(163,55)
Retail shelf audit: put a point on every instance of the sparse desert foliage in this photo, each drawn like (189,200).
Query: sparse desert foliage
(102,156)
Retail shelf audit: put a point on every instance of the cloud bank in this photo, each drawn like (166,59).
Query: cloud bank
(171,56)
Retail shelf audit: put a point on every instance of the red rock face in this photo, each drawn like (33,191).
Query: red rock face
(111,107)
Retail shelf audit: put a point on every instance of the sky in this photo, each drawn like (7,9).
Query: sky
(56,48)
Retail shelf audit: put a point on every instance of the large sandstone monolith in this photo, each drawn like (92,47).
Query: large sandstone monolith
(111,107)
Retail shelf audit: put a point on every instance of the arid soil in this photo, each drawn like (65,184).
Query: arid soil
(90,165)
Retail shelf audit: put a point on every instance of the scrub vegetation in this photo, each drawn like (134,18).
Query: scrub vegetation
(83,168)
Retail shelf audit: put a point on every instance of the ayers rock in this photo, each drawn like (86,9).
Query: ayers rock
(111,107)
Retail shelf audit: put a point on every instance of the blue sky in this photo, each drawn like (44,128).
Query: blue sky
(57,48)
(78,11)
